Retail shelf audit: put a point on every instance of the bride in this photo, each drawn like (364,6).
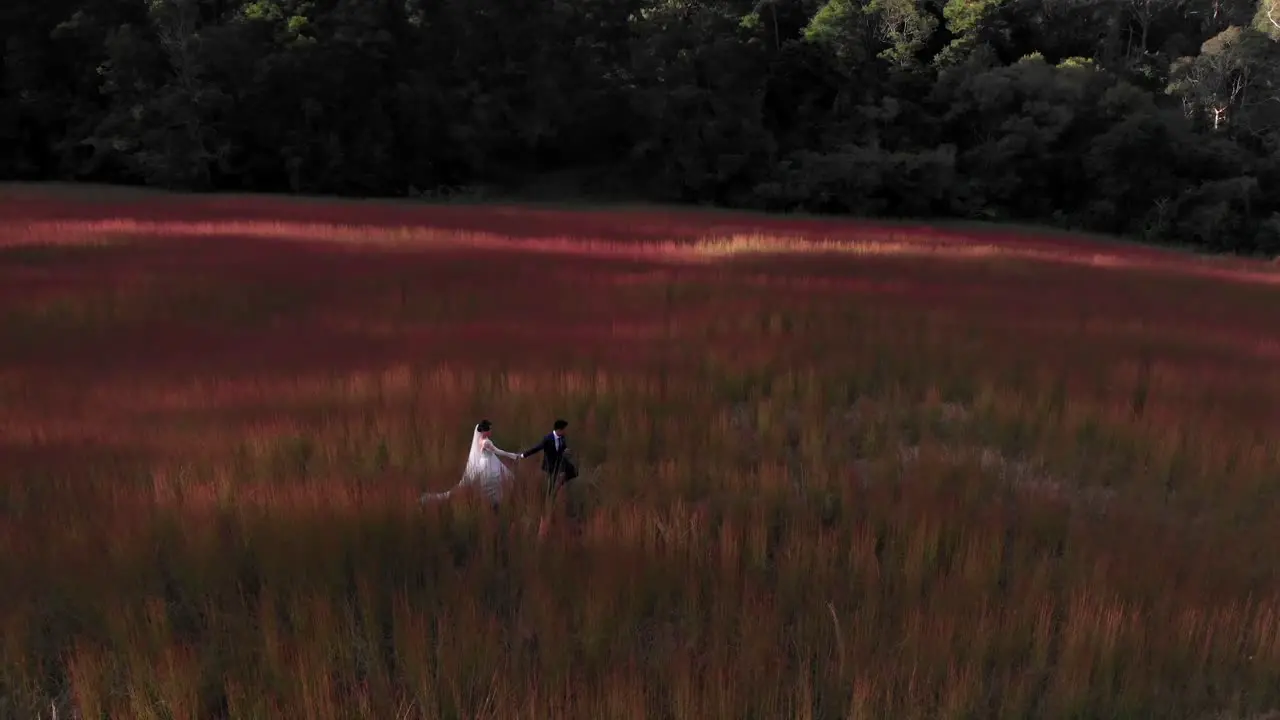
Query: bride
(485,470)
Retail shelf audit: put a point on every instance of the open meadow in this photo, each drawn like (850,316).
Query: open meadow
(830,469)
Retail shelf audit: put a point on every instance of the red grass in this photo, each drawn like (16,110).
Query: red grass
(889,478)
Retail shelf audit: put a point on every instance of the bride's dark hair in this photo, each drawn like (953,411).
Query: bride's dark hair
(483,426)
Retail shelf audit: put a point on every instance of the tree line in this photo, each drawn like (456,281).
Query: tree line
(1157,119)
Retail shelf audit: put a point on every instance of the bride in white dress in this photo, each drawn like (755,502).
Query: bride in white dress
(485,469)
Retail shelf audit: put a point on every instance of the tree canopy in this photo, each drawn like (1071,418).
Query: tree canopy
(1158,119)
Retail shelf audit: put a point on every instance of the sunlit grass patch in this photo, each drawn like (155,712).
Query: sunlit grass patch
(709,245)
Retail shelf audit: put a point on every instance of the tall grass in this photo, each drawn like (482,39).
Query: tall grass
(847,485)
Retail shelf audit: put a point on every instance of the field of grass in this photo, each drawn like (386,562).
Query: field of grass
(830,470)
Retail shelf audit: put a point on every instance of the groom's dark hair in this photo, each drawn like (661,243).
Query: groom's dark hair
(560,424)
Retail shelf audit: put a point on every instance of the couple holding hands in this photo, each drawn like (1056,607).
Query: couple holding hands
(486,471)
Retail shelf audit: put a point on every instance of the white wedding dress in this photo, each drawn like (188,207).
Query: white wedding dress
(485,470)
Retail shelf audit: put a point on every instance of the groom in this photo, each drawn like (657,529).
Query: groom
(554,462)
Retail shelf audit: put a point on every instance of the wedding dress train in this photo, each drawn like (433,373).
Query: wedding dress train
(485,471)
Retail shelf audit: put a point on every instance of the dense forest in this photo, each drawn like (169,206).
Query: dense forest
(1157,119)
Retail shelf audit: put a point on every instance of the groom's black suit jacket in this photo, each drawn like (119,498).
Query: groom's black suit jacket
(553,460)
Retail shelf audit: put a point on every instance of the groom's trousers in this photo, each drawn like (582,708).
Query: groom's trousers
(559,475)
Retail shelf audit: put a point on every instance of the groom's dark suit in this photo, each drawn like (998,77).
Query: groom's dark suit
(553,460)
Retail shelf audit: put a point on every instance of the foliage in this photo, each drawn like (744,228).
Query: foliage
(1152,118)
